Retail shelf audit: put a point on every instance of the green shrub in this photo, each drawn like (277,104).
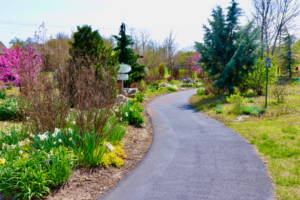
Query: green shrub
(9,109)
(175,81)
(237,101)
(117,133)
(2,95)
(140,97)
(219,109)
(162,69)
(173,88)
(251,110)
(132,112)
(201,92)
(250,100)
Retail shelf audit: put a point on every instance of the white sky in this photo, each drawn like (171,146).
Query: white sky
(20,18)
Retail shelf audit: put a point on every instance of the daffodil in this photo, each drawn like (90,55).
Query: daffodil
(2,161)
(60,140)
(21,152)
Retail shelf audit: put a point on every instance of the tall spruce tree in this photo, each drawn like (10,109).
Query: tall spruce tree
(229,51)
(127,56)
(286,55)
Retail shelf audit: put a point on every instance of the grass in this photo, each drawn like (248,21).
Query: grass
(276,134)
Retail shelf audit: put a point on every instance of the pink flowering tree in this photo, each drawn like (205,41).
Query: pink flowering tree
(194,62)
(18,65)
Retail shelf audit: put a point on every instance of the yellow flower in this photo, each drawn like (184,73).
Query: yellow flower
(70,139)
(60,140)
(2,161)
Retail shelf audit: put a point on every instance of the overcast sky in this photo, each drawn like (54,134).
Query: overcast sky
(20,18)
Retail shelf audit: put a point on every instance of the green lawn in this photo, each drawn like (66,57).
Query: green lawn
(275,134)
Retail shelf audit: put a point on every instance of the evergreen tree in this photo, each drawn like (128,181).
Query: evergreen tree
(229,51)
(288,59)
(127,56)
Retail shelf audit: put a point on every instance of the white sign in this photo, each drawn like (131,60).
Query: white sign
(123,77)
(109,146)
(124,68)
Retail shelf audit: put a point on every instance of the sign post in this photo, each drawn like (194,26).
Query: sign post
(124,68)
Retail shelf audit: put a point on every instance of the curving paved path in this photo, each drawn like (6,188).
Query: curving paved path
(193,157)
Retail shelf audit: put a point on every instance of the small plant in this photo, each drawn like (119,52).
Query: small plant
(140,97)
(279,91)
(132,113)
(250,100)
(219,109)
(201,92)
(9,109)
(251,110)
(237,101)
(173,88)
(2,95)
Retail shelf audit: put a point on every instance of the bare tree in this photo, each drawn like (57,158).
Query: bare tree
(144,36)
(170,48)
(264,14)
(287,11)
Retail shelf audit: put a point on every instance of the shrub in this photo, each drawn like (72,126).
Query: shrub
(252,110)
(279,91)
(9,109)
(131,112)
(139,86)
(173,88)
(140,97)
(237,101)
(175,73)
(200,91)
(170,79)
(219,109)
(162,69)
(250,100)
(2,95)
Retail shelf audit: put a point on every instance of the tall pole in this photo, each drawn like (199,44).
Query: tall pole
(267,87)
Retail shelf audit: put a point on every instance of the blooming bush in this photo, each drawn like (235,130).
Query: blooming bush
(17,65)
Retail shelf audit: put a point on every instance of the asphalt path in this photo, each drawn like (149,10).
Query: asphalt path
(193,157)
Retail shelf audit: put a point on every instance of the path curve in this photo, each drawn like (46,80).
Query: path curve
(193,157)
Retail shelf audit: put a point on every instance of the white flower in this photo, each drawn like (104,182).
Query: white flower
(21,152)
(74,122)
(60,140)
(43,137)
(126,114)
(130,109)
(70,130)
(27,140)
(53,135)
(9,108)
(31,135)
(27,118)
(56,130)
(54,143)
(21,143)
(121,119)
(13,146)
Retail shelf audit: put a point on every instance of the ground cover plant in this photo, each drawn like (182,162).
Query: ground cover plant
(273,131)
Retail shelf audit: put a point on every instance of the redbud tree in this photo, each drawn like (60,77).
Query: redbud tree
(18,65)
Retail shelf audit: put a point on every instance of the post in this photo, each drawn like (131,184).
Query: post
(267,87)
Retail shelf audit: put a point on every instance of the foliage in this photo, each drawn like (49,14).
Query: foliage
(175,73)
(114,157)
(9,109)
(201,91)
(237,101)
(32,177)
(173,88)
(162,69)
(127,56)
(279,91)
(18,66)
(90,149)
(140,97)
(170,79)
(256,79)
(251,110)
(219,109)
(288,59)
(2,95)
(131,112)
(228,52)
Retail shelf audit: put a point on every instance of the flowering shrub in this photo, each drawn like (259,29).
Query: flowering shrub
(131,112)
(194,62)
(17,64)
